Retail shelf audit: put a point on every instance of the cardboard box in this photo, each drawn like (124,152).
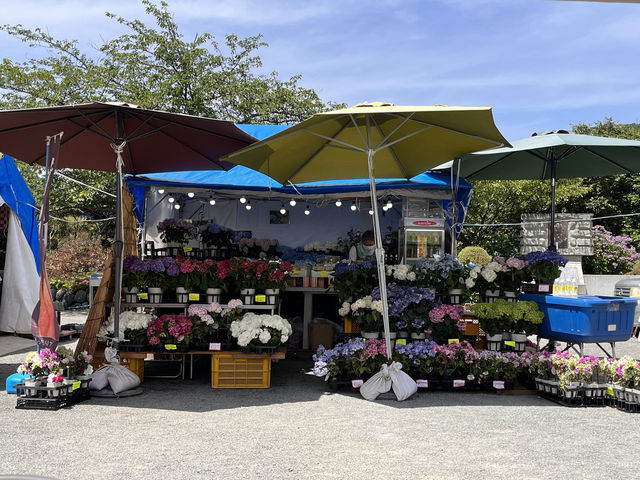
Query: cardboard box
(320,334)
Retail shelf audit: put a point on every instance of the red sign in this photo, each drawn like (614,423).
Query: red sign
(424,222)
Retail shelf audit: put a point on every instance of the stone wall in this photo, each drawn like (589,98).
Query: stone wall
(572,238)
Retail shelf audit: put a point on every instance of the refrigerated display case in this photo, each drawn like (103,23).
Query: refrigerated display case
(420,239)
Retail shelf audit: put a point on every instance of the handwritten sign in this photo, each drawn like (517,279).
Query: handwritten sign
(143,296)
(610,391)
(422,383)
(323,273)
(76,385)
(187,249)
(498,384)
(261,298)
(401,341)
(170,346)
(215,347)
(453,340)
(510,343)
(357,383)
(194,297)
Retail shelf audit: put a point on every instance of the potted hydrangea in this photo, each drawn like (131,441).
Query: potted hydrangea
(367,314)
(176,232)
(261,333)
(170,333)
(544,266)
(446,323)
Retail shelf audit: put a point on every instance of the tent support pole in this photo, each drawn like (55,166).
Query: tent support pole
(552,225)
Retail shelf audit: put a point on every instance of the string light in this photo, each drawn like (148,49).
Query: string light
(292,202)
(307,211)
(338,203)
(248,205)
(385,208)
(243,199)
(171,199)
(282,209)
(389,204)
(370,212)
(212,201)
(177,206)
(353,206)
(161,191)
(191,194)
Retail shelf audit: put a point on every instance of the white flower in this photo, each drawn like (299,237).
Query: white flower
(469,282)
(345,309)
(411,276)
(264,336)
(377,305)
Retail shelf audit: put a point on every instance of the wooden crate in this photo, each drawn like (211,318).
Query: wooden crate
(136,365)
(236,370)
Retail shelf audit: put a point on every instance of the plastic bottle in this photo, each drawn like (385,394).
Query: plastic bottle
(559,285)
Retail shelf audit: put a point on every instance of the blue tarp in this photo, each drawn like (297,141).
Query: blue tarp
(16,194)
(243,178)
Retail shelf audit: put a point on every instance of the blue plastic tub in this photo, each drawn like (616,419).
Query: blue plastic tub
(586,318)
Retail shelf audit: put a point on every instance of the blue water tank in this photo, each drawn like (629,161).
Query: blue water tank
(13,380)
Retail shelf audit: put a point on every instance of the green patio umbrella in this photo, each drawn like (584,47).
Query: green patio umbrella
(374,140)
(552,155)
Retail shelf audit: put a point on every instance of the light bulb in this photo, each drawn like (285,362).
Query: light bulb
(177,206)
(212,201)
(338,203)
(243,199)
(191,194)
(307,211)
(171,199)
(161,191)
(353,206)
(385,208)
(282,209)
(248,206)
(389,204)
(292,202)
(370,212)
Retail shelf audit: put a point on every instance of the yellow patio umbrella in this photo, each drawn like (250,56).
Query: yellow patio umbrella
(372,140)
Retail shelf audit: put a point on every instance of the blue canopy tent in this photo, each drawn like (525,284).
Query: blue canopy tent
(226,187)
(21,269)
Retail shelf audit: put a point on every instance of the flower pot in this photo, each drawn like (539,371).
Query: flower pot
(369,334)
(510,296)
(494,342)
(571,390)
(403,334)
(272,295)
(392,335)
(521,341)
(182,296)
(491,295)
(455,296)
(214,295)
(84,380)
(155,294)
(416,337)
(247,295)
(130,294)
(53,389)
(30,384)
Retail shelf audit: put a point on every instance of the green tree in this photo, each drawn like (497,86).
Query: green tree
(153,67)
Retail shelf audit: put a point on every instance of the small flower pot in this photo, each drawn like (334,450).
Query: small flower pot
(30,385)
(369,334)
(418,336)
(494,342)
(247,295)
(214,295)
(455,296)
(155,294)
(491,295)
(182,296)
(130,295)
(403,334)
(510,296)
(272,295)
(521,341)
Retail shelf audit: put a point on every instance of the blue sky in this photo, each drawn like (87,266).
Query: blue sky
(540,64)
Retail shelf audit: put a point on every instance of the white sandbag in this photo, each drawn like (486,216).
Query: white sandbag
(379,383)
(403,385)
(99,379)
(121,378)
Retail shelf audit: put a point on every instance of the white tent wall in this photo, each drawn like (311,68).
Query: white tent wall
(20,283)
(324,223)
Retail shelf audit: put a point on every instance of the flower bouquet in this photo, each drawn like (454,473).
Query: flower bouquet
(170,333)
(261,333)
(176,230)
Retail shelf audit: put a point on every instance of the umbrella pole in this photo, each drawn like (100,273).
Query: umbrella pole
(382,281)
(117,249)
(552,226)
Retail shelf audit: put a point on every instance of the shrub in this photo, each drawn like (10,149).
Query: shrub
(76,255)
(612,254)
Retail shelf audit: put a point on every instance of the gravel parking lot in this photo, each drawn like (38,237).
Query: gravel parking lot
(295,429)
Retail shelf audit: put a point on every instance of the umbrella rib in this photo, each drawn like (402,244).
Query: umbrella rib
(471,175)
(348,145)
(608,159)
(393,153)
(317,152)
(451,130)
(384,139)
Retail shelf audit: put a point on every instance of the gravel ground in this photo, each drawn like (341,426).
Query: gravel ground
(295,430)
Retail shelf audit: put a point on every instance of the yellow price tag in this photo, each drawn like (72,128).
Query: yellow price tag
(261,298)
(170,346)
(323,273)
(610,391)
(453,340)
(194,297)
(143,296)
(187,249)
(296,272)
(510,343)
(76,385)
(401,341)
